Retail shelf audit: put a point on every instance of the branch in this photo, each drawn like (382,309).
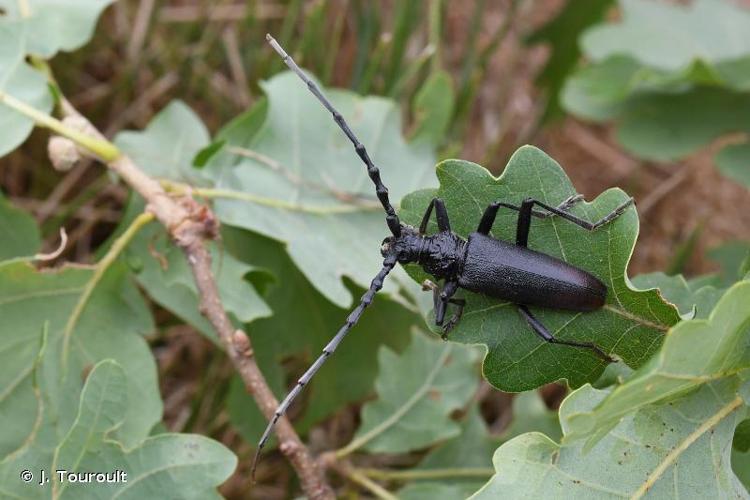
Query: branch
(189,224)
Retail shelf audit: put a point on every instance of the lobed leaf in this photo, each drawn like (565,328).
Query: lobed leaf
(110,325)
(672,90)
(692,299)
(161,269)
(672,37)
(631,324)
(461,460)
(166,148)
(417,391)
(167,465)
(668,451)
(695,353)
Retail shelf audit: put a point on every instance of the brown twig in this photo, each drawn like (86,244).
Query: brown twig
(189,223)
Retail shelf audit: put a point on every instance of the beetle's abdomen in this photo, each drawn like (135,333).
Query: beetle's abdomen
(517,274)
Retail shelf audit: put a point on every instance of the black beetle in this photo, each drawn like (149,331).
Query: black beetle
(481,264)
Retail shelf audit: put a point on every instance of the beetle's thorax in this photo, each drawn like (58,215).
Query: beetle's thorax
(440,255)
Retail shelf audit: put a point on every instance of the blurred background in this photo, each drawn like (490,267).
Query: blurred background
(503,73)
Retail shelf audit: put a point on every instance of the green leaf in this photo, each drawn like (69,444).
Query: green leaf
(599,91)
(110,325)
(734,162)
(530,414)
(167,277)
(167,465)
(464,462)
(694,353)
(669,126)
(417,391)
(669,451)
(161,269)
(673,37)
(742,437)
(304,321)
(18,80)
(204,155)
(433,108)
(672,90)
(732,257)
(631,324)
(51,25)
(314,194)
(18,232)
(654,125)
(690,300)
(561,34)
(460,465)
(741,466)
(166,148)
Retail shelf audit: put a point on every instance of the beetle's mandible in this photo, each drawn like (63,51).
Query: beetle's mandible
(480,263)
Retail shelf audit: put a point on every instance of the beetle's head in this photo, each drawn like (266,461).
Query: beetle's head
(405,246)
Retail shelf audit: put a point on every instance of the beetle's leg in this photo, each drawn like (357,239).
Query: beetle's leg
(440,212)
(525,212)
(453,321)
(441,307)
(490,213)
(545,334)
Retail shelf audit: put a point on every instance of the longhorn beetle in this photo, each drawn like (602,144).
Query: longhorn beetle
(480,263)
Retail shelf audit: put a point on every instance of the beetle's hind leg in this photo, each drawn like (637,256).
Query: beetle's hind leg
(490,213)
(525,212)
(441,298)
(545,334)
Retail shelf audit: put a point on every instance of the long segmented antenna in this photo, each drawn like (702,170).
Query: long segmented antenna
(391,218)
(351,320)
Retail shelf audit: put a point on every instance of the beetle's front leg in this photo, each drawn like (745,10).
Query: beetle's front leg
(441,299)
(440,213)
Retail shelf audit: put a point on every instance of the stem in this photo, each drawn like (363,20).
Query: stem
(403,475)
(229,194)
(362,480)
(117,247)
(100,147)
